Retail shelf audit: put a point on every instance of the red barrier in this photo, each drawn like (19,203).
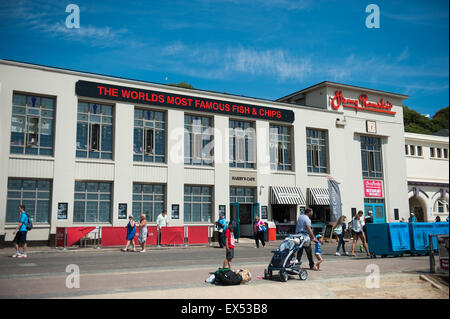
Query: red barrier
(117,236)
(152,238)
(60,236)
(198,235)
(172,235)
(74,234)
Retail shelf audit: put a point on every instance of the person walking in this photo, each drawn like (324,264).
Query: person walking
(412,218)
(229,245)
(21,234)
(358,233)
(221,226)
(161,221)
(367,220)
(258,230)
(318,251)
(304,228)
(142,238)
(339,230)
(131,232)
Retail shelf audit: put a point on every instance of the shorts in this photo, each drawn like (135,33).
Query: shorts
(21,237)
(230,254)
(357,234)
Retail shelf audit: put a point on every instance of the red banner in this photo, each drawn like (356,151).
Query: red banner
(198,235)
(74,234)
(172,235)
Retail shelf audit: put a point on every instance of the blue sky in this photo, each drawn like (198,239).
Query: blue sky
(259,48)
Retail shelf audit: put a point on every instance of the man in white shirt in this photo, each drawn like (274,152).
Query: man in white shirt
(161,221)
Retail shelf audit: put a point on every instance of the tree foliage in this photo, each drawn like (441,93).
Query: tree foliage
(183,85)
(417,123)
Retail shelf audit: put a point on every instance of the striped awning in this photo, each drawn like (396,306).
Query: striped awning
(318,196)
(282,195)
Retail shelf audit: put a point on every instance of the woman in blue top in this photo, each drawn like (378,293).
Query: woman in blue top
(339,230)
(131,231)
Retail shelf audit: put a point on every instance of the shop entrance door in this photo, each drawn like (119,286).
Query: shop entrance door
(243,215)
(377,210)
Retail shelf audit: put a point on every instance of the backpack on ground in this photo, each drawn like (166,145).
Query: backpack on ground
(29,223)
(227,277)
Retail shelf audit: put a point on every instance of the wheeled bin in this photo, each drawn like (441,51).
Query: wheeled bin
(388,239)
(419,235)
(440,228)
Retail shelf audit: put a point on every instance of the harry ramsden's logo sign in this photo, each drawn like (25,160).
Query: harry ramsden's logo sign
(361,103)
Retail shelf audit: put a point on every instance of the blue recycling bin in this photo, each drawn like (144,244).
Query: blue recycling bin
(388,239)
(419,235)
(440,228)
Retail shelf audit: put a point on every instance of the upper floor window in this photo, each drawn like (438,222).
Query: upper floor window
(149,136)
(198,140)
(371,157)
(242,144)
(32,125)
(280,148)
(94,131)
(316,151)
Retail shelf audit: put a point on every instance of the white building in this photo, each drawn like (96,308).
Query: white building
(87,144)
(427,172)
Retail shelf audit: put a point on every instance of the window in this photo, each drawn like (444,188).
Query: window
(94,131)
(316,151)
(197,203)
(442,205)
(149,136)
(92,202)
(371,158)
(198,140)
(445,153)
(438,153)
(412,150)
(419,151)
(242,195)
(431,151)
(406,149)
(280,148)
(242,144)
(32,125)
(148,199)
(34,194)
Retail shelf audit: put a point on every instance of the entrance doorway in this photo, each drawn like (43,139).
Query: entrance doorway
(416,207)
(377,210)
(243,215)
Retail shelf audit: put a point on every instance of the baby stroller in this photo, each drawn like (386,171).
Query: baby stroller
(285,260)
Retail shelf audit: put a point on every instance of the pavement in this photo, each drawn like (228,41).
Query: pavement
(180,273)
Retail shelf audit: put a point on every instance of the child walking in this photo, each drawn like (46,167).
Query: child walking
(318,251)
(229,245)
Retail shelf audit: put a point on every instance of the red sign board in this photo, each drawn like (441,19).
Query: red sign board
(373,188)
(362,103)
